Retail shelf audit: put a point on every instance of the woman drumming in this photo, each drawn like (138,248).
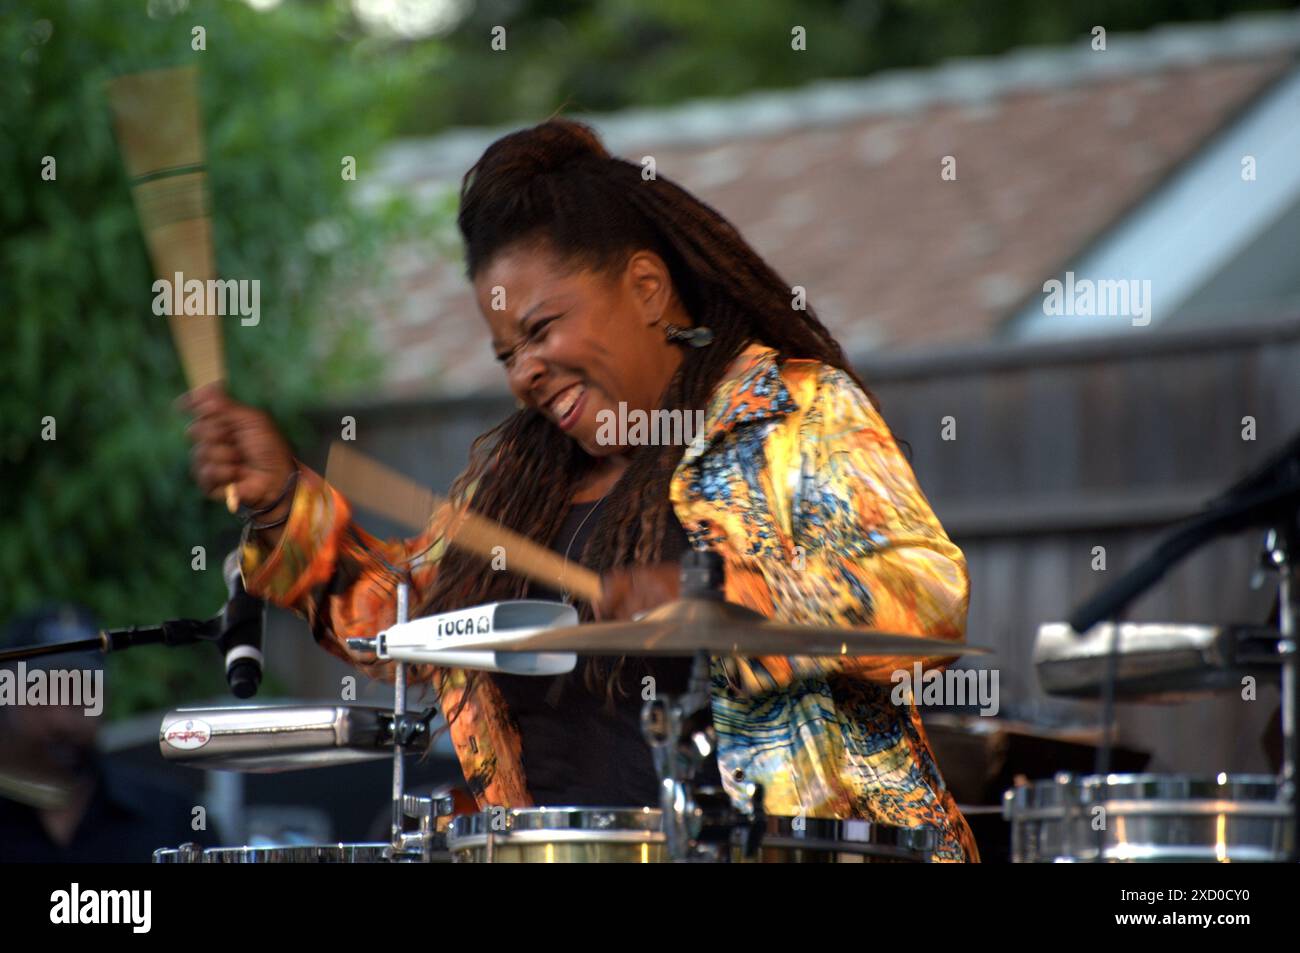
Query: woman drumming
(602,288)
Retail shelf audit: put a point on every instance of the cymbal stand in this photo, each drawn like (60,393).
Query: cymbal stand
(1280,550)
(679,730)
(700,824)
(399,735)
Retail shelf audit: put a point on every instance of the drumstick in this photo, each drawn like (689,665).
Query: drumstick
(376,487)
(156,115)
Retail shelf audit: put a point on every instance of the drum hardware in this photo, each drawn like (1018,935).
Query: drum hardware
(1281,546)
(267,739)
(188,853)
(427,843)
(558,834)
(679,730)
(637,835)
(401,734)
(296,854)
(1268,497)
(817,839)
(435,639)
(410,731)
(691,824)
(1158,661)
(696,623)
(1149,818)
(432,640)
(727,832)
(699,625)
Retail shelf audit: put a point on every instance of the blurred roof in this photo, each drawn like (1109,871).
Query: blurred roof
(838,184)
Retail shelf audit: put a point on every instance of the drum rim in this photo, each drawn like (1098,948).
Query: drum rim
(1237,852)
(819,833)
(635,825)
(1148,786)
(579,820)
(558,838)
(206,855)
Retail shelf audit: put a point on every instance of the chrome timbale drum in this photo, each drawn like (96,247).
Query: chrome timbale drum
(298,854)
(1154,818)
(815,840)
(635,835)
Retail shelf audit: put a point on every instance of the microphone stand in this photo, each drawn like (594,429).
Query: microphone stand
(228,629)
(171,633)
(1281,547)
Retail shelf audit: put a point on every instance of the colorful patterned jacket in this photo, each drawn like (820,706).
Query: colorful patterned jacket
(797,483)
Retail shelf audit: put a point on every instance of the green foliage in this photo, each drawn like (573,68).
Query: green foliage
(603,55)
(106,514)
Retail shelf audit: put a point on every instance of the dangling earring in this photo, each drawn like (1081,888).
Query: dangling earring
(519,404)
(701,336)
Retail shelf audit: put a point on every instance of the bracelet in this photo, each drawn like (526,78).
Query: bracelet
(282,520)
(293,479)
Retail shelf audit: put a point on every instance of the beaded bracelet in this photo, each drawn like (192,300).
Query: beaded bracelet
(288,484)
(283,519)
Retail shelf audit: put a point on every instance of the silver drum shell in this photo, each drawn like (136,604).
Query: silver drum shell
(1149,818)
(635,835)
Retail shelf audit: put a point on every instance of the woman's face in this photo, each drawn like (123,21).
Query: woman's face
(574,343)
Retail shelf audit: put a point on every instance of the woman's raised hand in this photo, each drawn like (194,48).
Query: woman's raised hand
(234,444)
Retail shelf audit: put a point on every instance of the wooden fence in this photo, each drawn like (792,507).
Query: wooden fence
(1056,449)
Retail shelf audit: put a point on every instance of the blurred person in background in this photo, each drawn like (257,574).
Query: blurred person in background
(62,800)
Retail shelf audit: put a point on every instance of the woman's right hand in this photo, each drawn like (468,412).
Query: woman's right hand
(237,445)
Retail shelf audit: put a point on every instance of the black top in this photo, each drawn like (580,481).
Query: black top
(576,752)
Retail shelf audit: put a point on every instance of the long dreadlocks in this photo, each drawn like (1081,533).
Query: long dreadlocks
(556,186)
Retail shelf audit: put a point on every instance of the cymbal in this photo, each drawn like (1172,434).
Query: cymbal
(687,626)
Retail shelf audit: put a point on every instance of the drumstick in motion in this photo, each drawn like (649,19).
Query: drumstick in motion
(156,115)
(376,487)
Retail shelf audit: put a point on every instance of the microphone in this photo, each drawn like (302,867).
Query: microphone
(237,631)
(241,632)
